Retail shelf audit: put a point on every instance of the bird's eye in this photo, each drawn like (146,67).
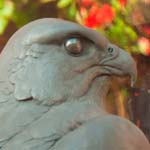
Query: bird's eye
(74,46)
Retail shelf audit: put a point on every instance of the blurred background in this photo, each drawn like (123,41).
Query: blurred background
(125,23)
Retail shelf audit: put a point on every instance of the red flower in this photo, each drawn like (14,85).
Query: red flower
(123,2)
(99,16)
(86,3)
(145,28)
(147,52)
(91,21)
(144,45)
(105,15)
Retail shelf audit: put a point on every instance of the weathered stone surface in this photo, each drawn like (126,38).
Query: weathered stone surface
(54,77)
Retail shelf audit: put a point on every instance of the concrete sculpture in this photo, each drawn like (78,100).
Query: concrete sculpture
(54,77)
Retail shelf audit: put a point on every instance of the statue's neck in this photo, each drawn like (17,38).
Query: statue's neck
(97,94)
(92,104)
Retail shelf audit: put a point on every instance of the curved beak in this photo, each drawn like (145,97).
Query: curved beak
(120,63)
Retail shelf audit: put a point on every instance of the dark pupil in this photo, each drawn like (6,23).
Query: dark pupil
(73,45)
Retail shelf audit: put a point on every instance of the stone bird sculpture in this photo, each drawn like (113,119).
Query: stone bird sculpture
(54,77)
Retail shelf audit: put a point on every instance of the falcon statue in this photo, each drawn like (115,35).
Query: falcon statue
(54,78)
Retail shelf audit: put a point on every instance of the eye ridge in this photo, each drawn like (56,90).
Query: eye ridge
(74,45)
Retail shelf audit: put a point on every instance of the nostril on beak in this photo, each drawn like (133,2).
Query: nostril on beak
(111,53)
(110,50)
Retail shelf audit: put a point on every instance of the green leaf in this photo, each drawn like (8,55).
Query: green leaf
(131,33)
(3,24)
(8,9)
(115,5)
(72,12)
(64,3)
(1,4)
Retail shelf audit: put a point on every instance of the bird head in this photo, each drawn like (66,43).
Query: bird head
(52,60)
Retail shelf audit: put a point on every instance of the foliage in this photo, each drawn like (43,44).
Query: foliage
(6,11)
(111,17)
